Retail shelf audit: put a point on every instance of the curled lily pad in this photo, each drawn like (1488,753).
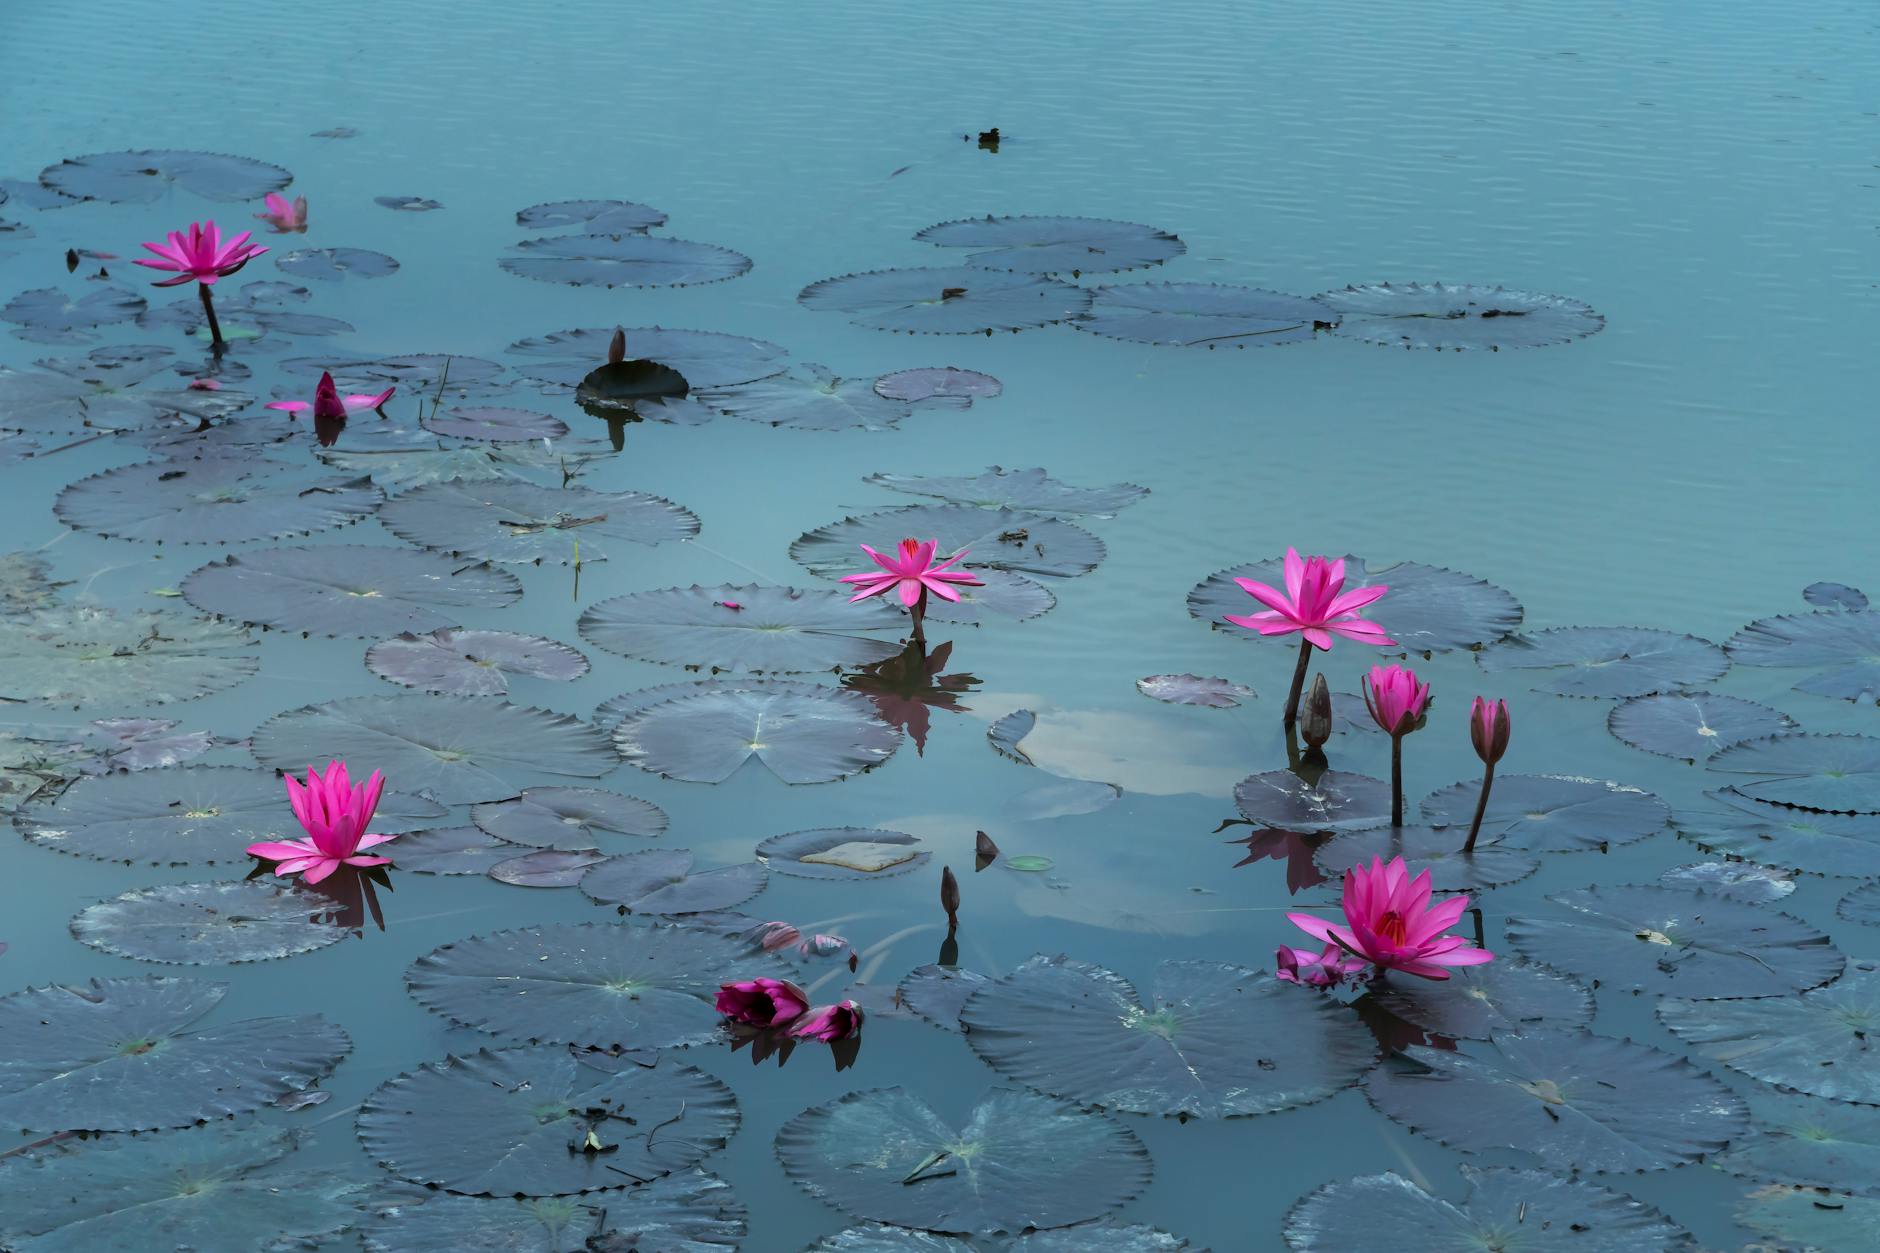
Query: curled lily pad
(1861,905)
(47,309)
(595,985)
(213,501)
(1786,838)
(1459,316)
(1819,1043)
(812,398)
(1217,1041)
(705,359)
(125,1055)
(688,1211)
(947,300)
(1055,245)
(785,853)
(209,924)
(570,818)
(1607,661)
(1677,942)
(599,217)
(938,993)
(1547,813)
(331,264)
(999,488)
(1572,1099)
(407,204)
(514,1122)
(1212,315)
(624,261)
(1193,689)
(1000,539)
(547,868)
(747,628)
(1809,1141)
(1438,850)
(451,850)
(521,522)
(1020,1161)
(802,732)
(457,662)
(944,382)
(496,424)
(145,176)
(1337,801)
(1477,1001)
(1811,1219)
(1693,725)
(1843,646)
(1528,1210)
(1829,773)
(82,655)
(1006,733)
(1427,610)
(1834,596)
(1733,880)
(661,881)
(343,589)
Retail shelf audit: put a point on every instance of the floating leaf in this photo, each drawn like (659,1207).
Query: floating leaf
(1819,1043)
(1427,610)
(1438,850)
(1693,725)
(1217,1041)
(407,204)
(496,424)
(568,818)
(1021,1161)
(998,488)
(212,501)
(1546,813)
(1608,661)
(332,264)
(48,309)
(123,1055)
(145,176)
(802,732)
(135,743)
(1002,596)
(1813,1220)
(1063,800)
(599,217)
(1193,689)
(1732,880)
(1677,942)
(521,522)
(1055,245)
(660,881)
(705,359)
(1337,801)
(345,589)
(941,382)
(84,655)
(746,628)
(1861,905)
(1477,1001)
(546,868)
(1843,645)
(947,300)
(938,993)
(1786,838)
(1204,314)
(624,261)
(1834,596)
(209,924)
(1005,734)
(999,539)
(59,404)
(1804,1140)
(451,850)
(1829,773)
(685,1212)
(811,398)
(513,1121)
(874,1239)
(426,372)
(785,853)
(457,662)
(1459,316)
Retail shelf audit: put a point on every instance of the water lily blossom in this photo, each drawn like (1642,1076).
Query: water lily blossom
(1390,923)
(762,1002)
(1318,970)
(202,256)
(328,403)
(829,1023)
(285,218)
(1489,728)
(335,815)
(911,572)
(1316,606)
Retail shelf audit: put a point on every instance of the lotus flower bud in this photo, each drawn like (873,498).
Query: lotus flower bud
(1316,725)
(1489,727)
(617,347)
(950,895)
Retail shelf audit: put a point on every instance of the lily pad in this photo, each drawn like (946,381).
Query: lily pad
(429,373)
(1608,661)
(661,881)
(498,425)
(521,522)
(592,985)
(1572,1099)
(1021,1161)
(145,176)
(1217,1041)
(333,264)
(939,993)
(54,403)
(752,628)
(1337,801)
(1063,800)
(1547,813)
(1477,1001)
(124,1055)
(547,868)
(947,300)
(209,924)
(785,853)
(1861,905)
(407,204)
(512,1122)
(48,309)
(1677,942)
(706,359)
(811,398)
(624,261)
(1055,245)
(599,217)
(457,662)
(999,488)
(210,501)
(1812,1219)
(345,589)
(1843,646)
(1002,596)
(82,655)
(688,1211)
(999,539)
(1834,596)
(938,382)
(1809,1141)
(1212,315)
(1461,317)
(1436,849)
(1820,1043)
(1829,773)
(881,1239)
(451,850)
(1194,689)
(1104,1236)
(1786,838)
(1693,725)
(1732,880)
(1006,733)
(802,732)
(568,818)
(133,743)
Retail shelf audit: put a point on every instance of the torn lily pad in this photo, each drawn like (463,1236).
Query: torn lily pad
(811,398)
(751,628)
(209,924)
(218,500)
(568,818)
(1000,539)
(1842,646)
(86,656)
(688,1211)
(842,853)
(661,881)
(1055,245)
(344,589)
(999,488)
(1194,689)
(598,217)
(520,522)
(1607,661)
(1337,801)
(1693,725)
(624,261)
(1210,315)
(1819,1043)
(332,264)
(407,204)
(1546,813)
(1829,773)
(801,732)
(947,300)
(457,662)
(146,175)
(1461,317)
(1428,609)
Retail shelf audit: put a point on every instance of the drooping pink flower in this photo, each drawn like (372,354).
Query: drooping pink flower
(286,218)
(1314,604)
(762,1002)
(335,815)
(200,256)
(1317,970)
(1396,699)
(913,572)
(829,1023)
(328,403)
(1489,728)
(1390,923)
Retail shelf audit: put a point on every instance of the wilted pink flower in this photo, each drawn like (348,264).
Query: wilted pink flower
(284,217)
(328,403)
(1391,924)
(761,1002)
(1395,698)
(1313,604)
(913,571)
(1489,727)
(335,815)
(1318,970)
(201,255)
(204,385)
(829,1023)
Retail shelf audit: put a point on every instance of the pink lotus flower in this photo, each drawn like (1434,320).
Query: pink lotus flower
(913,572)
(1317,970)
(335,815)
(830,1023)
(201,255)
(1489,727)
(286,218)
(1313,604)
(761,1002)
(327,402)
(732,605)
(1395,698)
(1390,923)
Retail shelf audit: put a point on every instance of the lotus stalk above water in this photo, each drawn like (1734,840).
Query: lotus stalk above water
(1398,704)
(1489,728)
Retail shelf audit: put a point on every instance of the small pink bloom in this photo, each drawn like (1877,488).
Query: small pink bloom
(1396,700)
(328,403)
(286,218)
(1313,604)
(730,604)
(1489,727)
(335,815)
(913,571)
(1390,923)
(1318,970)
(829,1023)
(201,255)
(761,1002)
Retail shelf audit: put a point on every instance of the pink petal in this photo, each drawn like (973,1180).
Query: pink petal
(321,871)
(1353,601)
(367,861)
(910,592)
(1269,597)
(1320,640)
(288,406)
(282,850)
(940,589)
(1295,568)
(1313,925)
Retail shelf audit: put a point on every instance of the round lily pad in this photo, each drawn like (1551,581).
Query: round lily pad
(1545,813)
(1733,880)
(1806,1140)
(471,663)
(943,382)
(1438,850)
(812,398)
(705,359)
(1212,315)
(687,1211)
(869,846)
(1217,1041)
(514,1122)
(802,732)
(947,300)
(209,924)
(1002,596)
(1693,725)
(748,627)
(1572,1099)
(332,264)
(1020,1161)
(1055,245)
(1607,661)
(1819,1043)
(939,993)
(1477,1001)
(125,1055)
(547,868)
(624,261)
(1811,1219)
(54,313)
(1677,942)
(1461,317)
(1001,539)
(1786,838)
(661,881)
(496,424)
(1337,801)
(408,204)
(210,501)
(599,217)
(999,488)
(145,176)
(451,850)
(1193,689)
(569,818)
(83,655)
(1834,596)
(1829,773)
(521,522)
(1842,646)
(345,589)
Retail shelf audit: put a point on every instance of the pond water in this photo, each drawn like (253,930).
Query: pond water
(1682,450)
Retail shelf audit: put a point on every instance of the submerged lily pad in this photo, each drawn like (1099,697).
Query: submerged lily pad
(812,398)
(457,662)
(1546,813)
(624,261)
(661,881)
(1811,1219)
(1338,801)
(593,985)
(1608,661)
(1786,838)
(569,818)
(1843,646)
(1528,1210)
(598,217)
(82,655)
(1204,314)
(688,1211)
(210,501)
(751,627)
(124,1055)
(1572,1099)
(1733,880)
(999,488)
(1477,1001)
(947,300)
(1193,689)
(802,732)
(939,993)
(451,850)
(1459,316)
(1217,1041)
(451,747)
(938,382)
(145,176)
(1830,773)
(1819,1043)
(209,924)
(498,425)
(513,1121)
(1693,725)
(1021,1160)
(346,589)
(785,853)
(1055,245)
(999,539)
(521,522)
(1809,1141)
(705,359)
(332,264)
(1427,610)
(547,868)
(1438,850)
(1677,942)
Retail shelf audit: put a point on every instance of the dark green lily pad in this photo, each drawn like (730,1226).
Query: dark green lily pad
(1813,1220)
(1528,1211)
(1438,850)
(146,175)
(1786,838)
(705,359)
(748,627)
(801,732)
(1820,1043)
(1693,725)
(1677,942)
(1477,1001)
(1055,245)
(218,500)
(457,662)
(999,539)
(451,850)
(1827,773)
(1732,880)
(1809,1141)
(1338,801)
(347,589)
(938,382)
(1842,645)
(453,748)
(123,1055)
(1204,314)
(592,985)
(1545,813)
(1572,1099)
(86,656)
(333,264)
(688,1211)
(785,853)
(947,300)
(1461,317)
(999,488)
(209,924)
(661,881)
(624,261)
(1217,1041)
(812,398)
(599,217)
(510,1121)
(938,993)
(1834,596)
(1194,689)
(547,868)
(521,522)
(1607,661)
(1022,1160)
(47,309)
(568,818)
(498,425)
